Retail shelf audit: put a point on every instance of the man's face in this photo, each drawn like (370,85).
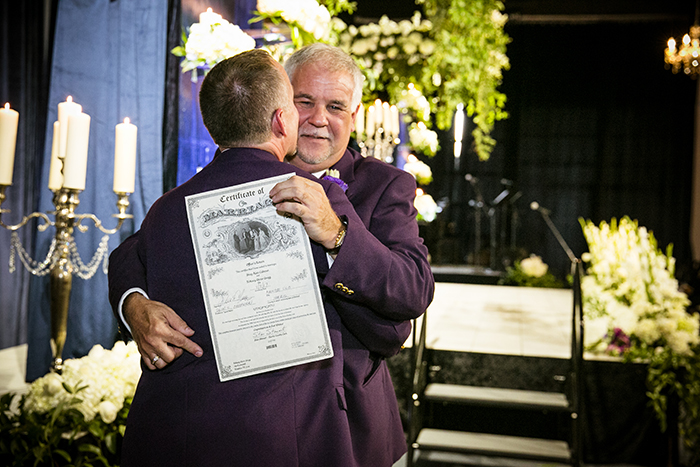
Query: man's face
(326,119)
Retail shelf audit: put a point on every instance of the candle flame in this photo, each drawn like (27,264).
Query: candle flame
(419,192)
(126,120)
(7,106)
(209,10)
(69,99)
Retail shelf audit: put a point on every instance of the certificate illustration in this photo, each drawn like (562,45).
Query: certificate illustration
(258,279)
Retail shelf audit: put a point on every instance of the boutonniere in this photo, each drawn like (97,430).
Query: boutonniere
(333,175)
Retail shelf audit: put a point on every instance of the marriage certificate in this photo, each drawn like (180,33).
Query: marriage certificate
(257,274)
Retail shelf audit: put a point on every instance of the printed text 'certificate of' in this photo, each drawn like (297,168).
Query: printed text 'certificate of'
(258,279)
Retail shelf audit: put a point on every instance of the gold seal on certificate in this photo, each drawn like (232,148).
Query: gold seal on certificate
(261,294)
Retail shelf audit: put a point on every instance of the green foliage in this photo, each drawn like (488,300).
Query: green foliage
(58,437)
(674,376)
(466,65)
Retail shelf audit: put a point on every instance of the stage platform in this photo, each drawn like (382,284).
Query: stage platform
(502,320)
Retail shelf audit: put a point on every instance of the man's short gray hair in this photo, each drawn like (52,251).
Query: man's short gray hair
(333,59)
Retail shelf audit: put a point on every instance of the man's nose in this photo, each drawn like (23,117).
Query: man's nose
(318,116)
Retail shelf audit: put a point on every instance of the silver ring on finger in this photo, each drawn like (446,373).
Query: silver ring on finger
(155,359)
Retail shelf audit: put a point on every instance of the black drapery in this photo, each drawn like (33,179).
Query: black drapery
(598,129)
(26,36)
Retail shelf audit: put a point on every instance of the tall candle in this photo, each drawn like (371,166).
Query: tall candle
(395,125)
(360,121)
(75,162)
(370,121)
(386,118)
(9,119)
(378,112)
(55,175)
(65,109)
(124,157)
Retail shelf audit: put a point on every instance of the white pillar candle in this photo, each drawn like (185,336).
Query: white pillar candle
(360,121)
(395,124)
(370,121)
(124,157)
(9,119)
(378,113)
(386,118)
(65,109)
(56,167)
(75,162)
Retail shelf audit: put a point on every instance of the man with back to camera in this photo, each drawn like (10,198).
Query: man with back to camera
(380,278)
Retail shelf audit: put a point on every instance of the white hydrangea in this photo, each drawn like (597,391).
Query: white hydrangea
(534,266)
(214,39)
(109,377)
(306,14)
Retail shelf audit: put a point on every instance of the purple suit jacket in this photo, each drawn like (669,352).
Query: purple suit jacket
(382,261)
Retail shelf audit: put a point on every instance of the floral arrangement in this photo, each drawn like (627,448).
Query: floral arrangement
(530,272)
(633,308)
(308,21)
(77,417)
(630,286)
(210,41)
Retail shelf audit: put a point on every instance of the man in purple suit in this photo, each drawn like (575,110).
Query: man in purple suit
(379,279)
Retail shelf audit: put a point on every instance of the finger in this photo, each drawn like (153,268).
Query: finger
(183,343)
(178,323)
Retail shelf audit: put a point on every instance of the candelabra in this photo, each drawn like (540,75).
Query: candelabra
(380,145)
(62,259)
(381,134)
(687,56)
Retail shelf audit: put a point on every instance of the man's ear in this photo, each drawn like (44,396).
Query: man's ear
(279,129)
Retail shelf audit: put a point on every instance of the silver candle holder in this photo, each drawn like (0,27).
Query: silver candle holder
(62,260)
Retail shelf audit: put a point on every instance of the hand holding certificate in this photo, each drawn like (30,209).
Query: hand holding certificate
(258,280)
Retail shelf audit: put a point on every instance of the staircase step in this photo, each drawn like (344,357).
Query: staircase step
(512,398)
(484,444)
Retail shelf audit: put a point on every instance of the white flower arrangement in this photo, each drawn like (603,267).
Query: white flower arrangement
(633,308)
(426,206)
(210,41)
(630,294)
(302,16)
(109,377)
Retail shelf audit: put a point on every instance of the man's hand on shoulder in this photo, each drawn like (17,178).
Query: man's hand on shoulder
(160,334)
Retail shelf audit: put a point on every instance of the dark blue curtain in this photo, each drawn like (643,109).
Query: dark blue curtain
(110,56)
(26,31)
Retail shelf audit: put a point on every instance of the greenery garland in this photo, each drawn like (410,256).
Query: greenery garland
(466,65)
